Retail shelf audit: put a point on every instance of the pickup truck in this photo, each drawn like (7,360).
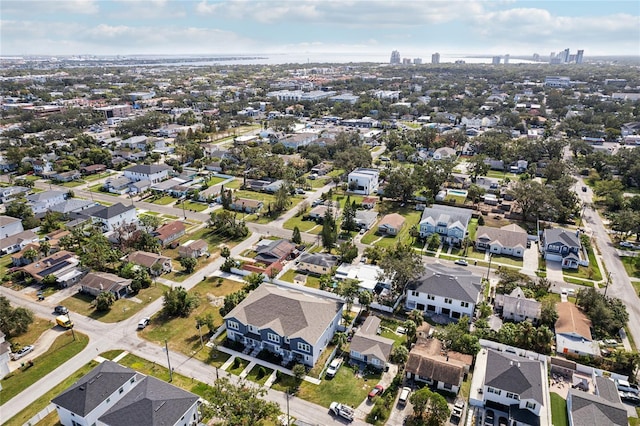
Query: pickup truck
(341,410)
(64,321)
(334,367)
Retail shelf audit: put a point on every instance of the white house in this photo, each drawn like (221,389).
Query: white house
(112,217)
(114,395)
(295,325)
(510,240)
(363,181)
(10,226)
(5,353)
(41,202)
(449,222)
(440,290)
(154,173)
(516,307)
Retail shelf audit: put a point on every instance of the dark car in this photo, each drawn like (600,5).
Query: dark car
(489,417)
(61,310)
(584,189)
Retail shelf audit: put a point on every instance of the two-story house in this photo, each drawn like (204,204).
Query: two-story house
(41,202)
(295,325)
(154,173)
(440,290)
(317,263)
(510,240)
(363,181)
(516,307)
(561,245)
(10,226)
(113,395)
(512,386)
(112,217)
(449,222)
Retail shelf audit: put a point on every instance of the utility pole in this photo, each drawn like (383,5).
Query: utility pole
(166,348)
(607,286)
(200,331)
(489,267)
(73,333)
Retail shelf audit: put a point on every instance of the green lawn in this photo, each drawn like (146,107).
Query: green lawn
(558,410)
(237,366)
(496,174)
(342,199)
(303,225)
(62,349)
(214,180)
(412,217)
(162,201)
(234,184)
(5,263)
(33,333)
(121,309)
(312,281)
(591,272)
(196,207)
(71,184)
(97,188)
(256,372)
(507,260)
(631,265)
(91,178)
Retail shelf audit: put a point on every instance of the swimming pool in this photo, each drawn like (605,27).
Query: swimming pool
(458,192)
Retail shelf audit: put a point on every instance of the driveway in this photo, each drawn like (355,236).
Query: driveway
(530,259)
(39,347)
(554,271)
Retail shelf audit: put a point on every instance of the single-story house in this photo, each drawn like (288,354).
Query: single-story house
(369,202)
(247,205)
(149,260)
(516,307)
(272,251)
(573,332)
(369,348)
(170,232)
(194,248)
(93,169)
(391,224)
(316,263)
(95,283)
(366,219)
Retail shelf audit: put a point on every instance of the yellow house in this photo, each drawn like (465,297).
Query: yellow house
(316,263)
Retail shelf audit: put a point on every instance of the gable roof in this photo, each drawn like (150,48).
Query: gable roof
(571,320)
(107,212)
(71,204)
(287,312)
(392,220)
(517,303)
(7,220)
(147,169)
(426,360)
(447,214)
(18,238)
(94,388)
(515,374)
(443,281)
(372,345)
(152,402)
(505,237)
(104,281)
(43,196)
(607,389)
(274,251)
(170,229)
(561,236)
(145,258)
(589,410)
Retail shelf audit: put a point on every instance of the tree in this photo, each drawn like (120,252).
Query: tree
(45,248)
(456,336)
(283,199)
(417,316)
(399,354)
(253,280)
(548,312)
(30,254)
(430,407)
(401,184)
(19,209)
(365,298)
(299,371)
(238,404)
(150,222)
(434,241)
(410,328)
(178,302)
(141,279)
(401,264)
(13,322)
(348,251)
(349,216)
(231,301)
(478,167)
(329,231)
(104,301)
(225,252)
(296,237)
(207,320)
(189,264)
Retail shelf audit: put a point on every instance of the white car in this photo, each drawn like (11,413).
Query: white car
(22,352)
(461,262)
(143,323)
(334,367)
(626,244)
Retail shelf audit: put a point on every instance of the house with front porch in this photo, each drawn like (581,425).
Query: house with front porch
(95,283)
(449,222)
(510,240)
(562,245)
(368,347)
(149,261)
(441,290)
(295,325)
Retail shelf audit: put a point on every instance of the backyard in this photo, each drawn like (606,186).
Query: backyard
(303,225)
(558,410)
(312,281)
(412,218)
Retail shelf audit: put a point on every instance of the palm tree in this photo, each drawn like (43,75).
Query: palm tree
(340,339)
(31,255)
(45,248)
(417,317)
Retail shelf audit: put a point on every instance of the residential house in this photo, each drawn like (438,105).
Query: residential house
(298,140)
(154,173)
(139,187)
(9,193)
(430,363)
(318,212)
(66,176)
(41,202)
(369,277)
(95,283)
(363,181)
(272,251)
(516,307)
(449,222)
(118,185)
(369,202)
(317,263)
(10,226)
(72,205)
(150,260)
(391,224)
(113,395)
(603,408)
(194,248)
(17,242)
(112,217)
(369,348)
(444,153)
(510,240)
(63,265)
(322,169)
(441,290)
(5,354)
(135,142)
(514,387)
(247,205)
(562,245)
(19,259)
(573,332)
(93,169)
(366,219)
(170,232)
(295,325)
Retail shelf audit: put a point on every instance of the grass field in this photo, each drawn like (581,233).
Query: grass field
(91,178)
(214,180)
(303,225)
(235,184)
(412,217)
(35,330)
(196,207)
(181,333)
(591,272)
(558,410)
(237,366)
(162,201)
(121,309)
(62,349)
(72,184)
(312,281)
(631,265)
(255,372)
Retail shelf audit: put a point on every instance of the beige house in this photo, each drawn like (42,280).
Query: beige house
(391,224)
(510,240)
(366,346)
(316,263)
(148,260)
(95,283)
(194,248)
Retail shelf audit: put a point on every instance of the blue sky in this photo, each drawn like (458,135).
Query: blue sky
(414,27)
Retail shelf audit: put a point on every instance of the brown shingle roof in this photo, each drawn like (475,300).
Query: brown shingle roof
(505,236)
(170,229)
(572,321)
(426,360)
(393,220)
(144,258)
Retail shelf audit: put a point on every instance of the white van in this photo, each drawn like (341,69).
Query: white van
(404,396)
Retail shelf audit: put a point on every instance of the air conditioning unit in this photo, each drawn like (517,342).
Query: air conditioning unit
(479,390)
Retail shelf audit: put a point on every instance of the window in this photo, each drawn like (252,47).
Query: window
(414,293)
(464,304)
(252,329)
(531,405)
(304,347)
(447,300)
(493,390)
(121,390)
(431,297)
(273,338)
(233,325)
(286,339)
(512,396)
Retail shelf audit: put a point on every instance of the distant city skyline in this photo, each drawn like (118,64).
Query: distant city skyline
(416,29)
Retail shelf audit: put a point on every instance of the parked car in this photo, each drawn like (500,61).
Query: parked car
(457,408)
(22,352)
(61,310)
(489,417)
(404,396)
(630,397)
(584,189)
(625,386)
(143,323)
(376,391)
(626,244)
(334,367)
(461,262)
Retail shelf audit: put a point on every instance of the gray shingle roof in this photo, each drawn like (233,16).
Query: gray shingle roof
(287,312)
(515,374)
(589,410)
(94,388)
(454,283)
(506,238)
(446,214)
(607,389)
(320,259)
(560,235)
(107,212)
(147,169)
(152,402)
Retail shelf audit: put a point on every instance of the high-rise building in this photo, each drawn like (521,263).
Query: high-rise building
(579,56)
(435,58)
(536,57)
(395,57)
(506,59)
(495,60)
(564,55)
(417,61)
